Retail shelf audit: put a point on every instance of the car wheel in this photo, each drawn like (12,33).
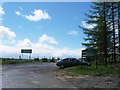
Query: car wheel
(62,66)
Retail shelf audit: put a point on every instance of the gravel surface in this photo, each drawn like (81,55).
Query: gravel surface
(47,75)
(87,81)
(95,82)
(37,75)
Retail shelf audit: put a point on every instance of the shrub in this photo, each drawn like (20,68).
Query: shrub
(44,60)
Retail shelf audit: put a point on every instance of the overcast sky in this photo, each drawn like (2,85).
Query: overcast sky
(49,29)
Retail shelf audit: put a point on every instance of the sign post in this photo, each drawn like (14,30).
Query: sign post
(26,51)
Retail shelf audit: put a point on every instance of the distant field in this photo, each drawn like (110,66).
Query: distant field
(19,61)
(14,61)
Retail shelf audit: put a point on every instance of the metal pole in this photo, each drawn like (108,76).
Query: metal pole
(22,55)
(30,56)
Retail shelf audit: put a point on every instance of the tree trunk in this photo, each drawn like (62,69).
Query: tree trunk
(105,36)
(119,28)
(113,27)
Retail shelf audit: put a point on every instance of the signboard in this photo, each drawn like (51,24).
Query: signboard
(26,50)
(88,52)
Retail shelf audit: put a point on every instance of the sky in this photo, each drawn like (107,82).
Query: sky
(49,29)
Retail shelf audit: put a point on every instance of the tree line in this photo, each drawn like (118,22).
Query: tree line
(104,37)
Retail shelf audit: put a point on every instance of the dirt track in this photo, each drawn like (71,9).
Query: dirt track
(37,75)
(47,75)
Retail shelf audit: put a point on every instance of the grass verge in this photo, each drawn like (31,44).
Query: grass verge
(92,70)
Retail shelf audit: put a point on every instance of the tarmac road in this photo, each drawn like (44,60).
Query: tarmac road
(36,75)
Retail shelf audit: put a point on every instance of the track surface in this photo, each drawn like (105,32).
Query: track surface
(37,75)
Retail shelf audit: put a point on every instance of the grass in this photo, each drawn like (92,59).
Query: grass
(0,61)
(15,61)
(18,61)
(92,70)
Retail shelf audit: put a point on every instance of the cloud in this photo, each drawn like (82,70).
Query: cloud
(37,15)
(18,13)
(74,32)
(1,11)
(5,32)
(7,37)
(24,43)
(85,25)
(66,52)
(45,38)
(7,51)
(20,8)
(39,49)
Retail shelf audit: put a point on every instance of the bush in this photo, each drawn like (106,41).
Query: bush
(44,60)
(36,59)
(52,60)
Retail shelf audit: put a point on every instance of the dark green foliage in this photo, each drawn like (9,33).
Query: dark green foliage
(44,60)
(36,59)
(103,16)
(119,29)
(52,60)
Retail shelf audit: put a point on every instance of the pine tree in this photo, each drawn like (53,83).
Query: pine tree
(98,36)
(105,17)
(119,28)
(114,27)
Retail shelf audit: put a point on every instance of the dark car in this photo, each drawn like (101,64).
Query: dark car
(69,62)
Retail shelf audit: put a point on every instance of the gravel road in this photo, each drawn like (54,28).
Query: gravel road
(47,75)
(37,75)
(87,81)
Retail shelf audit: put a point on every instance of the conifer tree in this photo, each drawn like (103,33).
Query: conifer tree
(105,18)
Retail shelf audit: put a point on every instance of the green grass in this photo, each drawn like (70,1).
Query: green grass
(18,61)
(9,61)
(92,70)
(0,61)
